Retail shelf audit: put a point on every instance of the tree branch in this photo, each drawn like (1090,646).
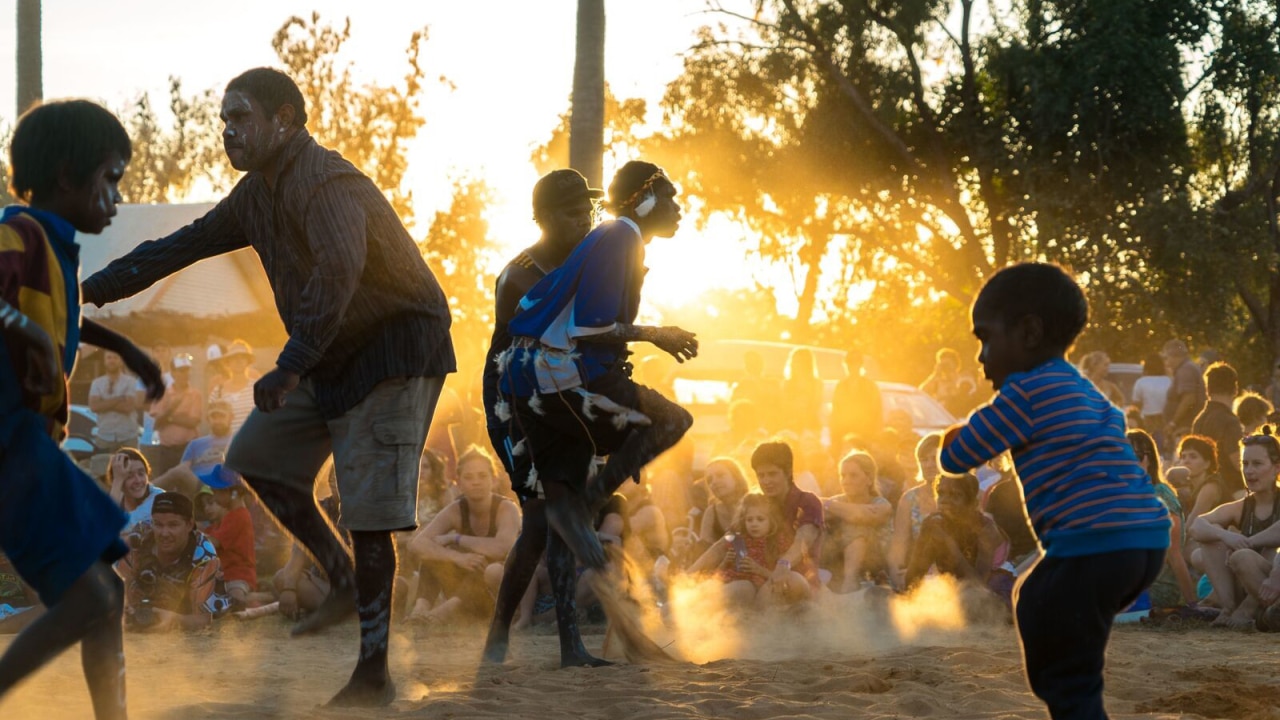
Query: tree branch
(917,77)
(1232,199)
(718,9)
(822,54)
(1256,311)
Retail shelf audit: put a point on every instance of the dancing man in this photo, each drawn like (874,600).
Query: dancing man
(366,358)
(567,367)
(563,209)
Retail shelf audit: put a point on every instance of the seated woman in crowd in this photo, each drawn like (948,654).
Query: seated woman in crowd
(744,557)
(462,549)
(728,485)
(916,504)
(1173,588)
(857,522)
(129,480)
(962,541)
(1196,479)
(1239,538)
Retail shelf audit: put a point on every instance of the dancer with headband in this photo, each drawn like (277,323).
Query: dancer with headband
(567,370)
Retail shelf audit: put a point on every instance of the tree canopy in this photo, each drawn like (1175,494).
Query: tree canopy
(913,147)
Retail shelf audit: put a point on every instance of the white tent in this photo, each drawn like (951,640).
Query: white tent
(230,284)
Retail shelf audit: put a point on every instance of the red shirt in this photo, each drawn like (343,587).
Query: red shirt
(234,536)
(802,508)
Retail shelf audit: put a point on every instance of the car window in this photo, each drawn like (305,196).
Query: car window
(702,392)
(925,411)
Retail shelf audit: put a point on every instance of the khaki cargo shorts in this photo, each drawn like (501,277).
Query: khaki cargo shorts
(376,448)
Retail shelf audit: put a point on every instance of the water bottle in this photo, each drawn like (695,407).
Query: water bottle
(740,553)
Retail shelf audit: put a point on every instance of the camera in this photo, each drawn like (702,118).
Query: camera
(144,615)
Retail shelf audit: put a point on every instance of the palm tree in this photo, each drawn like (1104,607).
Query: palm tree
(30,85)
(586,119)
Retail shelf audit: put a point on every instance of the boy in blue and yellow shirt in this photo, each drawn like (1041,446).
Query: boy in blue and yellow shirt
(57,526)
(1102,530)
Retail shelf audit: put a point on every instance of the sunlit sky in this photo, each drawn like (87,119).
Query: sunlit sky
(510,62)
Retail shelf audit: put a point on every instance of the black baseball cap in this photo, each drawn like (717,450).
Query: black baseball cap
(561,187)
(174,503)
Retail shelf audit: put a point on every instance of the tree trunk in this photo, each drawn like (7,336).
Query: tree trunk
(586,119)
(30,72)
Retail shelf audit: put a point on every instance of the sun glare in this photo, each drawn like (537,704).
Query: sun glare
(696,260)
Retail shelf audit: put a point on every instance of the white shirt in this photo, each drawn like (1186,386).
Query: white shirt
(114,426)
(1150,393)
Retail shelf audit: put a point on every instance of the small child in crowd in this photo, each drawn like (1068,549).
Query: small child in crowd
(747,553)
(231,530)
(1103,531)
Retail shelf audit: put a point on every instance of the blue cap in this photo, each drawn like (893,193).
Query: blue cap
(219,477)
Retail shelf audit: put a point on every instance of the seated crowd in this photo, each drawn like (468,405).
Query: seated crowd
(780,512)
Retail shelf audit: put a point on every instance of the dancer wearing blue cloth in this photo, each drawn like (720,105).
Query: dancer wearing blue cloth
(563,206)
(57,526)
(567,367)
(1101,528)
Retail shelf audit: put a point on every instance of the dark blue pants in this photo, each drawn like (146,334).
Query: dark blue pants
(1065,608)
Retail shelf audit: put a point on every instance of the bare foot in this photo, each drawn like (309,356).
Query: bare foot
(495,652)
(338,605)
(365,694)
(584,660)
(1234,621)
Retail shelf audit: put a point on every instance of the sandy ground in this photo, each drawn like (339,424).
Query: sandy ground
(839,661)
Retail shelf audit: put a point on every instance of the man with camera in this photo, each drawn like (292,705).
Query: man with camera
(172,570)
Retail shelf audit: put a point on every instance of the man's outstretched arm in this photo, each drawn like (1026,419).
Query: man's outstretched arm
(216,233)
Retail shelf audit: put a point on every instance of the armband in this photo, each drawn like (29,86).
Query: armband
(10,316)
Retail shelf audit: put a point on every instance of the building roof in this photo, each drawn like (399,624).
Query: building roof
(230,284)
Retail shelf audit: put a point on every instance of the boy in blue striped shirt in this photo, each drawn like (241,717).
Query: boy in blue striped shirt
(1101,528)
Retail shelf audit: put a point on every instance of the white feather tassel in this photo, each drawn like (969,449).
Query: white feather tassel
(646,206)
